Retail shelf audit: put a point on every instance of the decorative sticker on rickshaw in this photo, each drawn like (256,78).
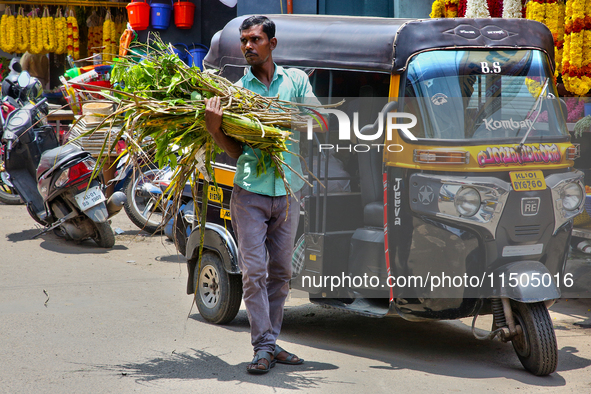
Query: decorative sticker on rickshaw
(397,201)
(509,124)
(439,99)
(506,155)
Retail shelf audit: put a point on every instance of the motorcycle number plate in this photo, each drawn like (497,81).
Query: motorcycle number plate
(523,181)
(89,198)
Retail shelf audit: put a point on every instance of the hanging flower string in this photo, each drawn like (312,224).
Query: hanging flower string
(8,32)
(61,33)
(48,31)
(451,8)
(576,57)
(477,9)
(495,8)
(35,29)
(437,9)
(512,9)
(462,8)
(22,31)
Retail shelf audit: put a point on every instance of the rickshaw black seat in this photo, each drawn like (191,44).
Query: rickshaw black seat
(373,214)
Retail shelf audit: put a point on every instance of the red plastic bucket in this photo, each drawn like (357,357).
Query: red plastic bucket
(184,12)
(138,14)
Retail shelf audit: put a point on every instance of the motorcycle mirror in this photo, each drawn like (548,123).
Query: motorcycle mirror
(16,66)
(23,79)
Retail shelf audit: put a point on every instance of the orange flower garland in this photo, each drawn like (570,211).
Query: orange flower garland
(559,40)
(576,59)
(451,8)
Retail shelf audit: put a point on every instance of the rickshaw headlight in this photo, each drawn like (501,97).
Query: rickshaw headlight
(572,196)
(467,201)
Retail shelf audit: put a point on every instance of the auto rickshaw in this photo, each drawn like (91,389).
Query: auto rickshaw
(479,185)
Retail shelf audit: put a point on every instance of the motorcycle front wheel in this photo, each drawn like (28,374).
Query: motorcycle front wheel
(8,195)
(536,346)
(141,204)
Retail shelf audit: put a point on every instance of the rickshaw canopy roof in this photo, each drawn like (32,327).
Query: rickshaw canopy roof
(376,44)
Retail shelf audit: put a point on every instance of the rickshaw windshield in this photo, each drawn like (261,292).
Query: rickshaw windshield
(476,94)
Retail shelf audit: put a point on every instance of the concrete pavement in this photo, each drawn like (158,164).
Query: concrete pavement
(76,318)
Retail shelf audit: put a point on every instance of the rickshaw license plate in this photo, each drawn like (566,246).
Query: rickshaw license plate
(523,181)
(89,198)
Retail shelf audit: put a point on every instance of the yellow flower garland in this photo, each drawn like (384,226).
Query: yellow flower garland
(559,42)
(107,26)
(22,33)
(438,9)
(8,33)
(48,37)
(36,41)
(61,35)
(576,56)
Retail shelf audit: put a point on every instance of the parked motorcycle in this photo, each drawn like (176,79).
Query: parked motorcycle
(8,194)
(55,182)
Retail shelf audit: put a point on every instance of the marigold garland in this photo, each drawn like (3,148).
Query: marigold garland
(576,56)
(22,32)
(48,32)
(36,41)
(61,35)
(451,8)
(437,9)
(559,41)
(8,32)
(73,40)
(108,28)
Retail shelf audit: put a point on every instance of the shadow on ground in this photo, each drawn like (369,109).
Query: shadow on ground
(199,364)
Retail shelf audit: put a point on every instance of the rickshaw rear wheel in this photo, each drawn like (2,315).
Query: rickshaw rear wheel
(536,346)
(218,294)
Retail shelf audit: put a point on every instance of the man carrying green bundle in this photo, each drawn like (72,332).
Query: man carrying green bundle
(258,205)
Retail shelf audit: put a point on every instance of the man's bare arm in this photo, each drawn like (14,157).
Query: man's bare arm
(213,123)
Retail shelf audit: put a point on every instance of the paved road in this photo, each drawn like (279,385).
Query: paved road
(75,318)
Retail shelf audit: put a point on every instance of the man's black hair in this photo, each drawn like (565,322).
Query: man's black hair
(268,25)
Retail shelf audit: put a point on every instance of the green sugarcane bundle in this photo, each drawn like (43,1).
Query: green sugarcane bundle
(160,108)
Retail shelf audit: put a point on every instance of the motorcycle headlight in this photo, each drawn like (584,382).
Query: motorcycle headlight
(572,196)
(467,201)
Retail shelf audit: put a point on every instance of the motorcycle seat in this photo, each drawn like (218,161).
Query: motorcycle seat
(56,157)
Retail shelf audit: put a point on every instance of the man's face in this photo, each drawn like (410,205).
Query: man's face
(256,46)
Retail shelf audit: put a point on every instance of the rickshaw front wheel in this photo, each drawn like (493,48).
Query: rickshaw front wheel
(536,346)
(217,294)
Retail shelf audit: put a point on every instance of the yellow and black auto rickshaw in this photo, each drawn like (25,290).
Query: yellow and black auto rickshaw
(448,188)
